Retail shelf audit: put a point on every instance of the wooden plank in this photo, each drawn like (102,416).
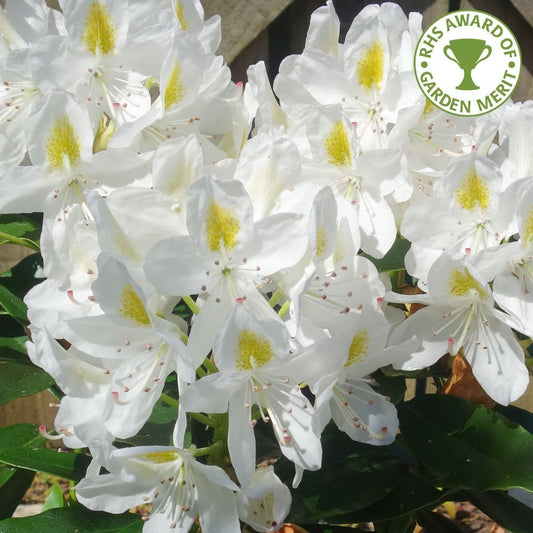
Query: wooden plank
(526,9)
(242,21)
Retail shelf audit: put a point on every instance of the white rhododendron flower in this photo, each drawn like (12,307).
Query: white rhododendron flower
(178,486)
(460,315)
(241,266)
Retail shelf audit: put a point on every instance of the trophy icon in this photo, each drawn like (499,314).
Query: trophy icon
(467,53)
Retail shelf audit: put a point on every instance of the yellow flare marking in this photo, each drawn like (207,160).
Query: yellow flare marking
(428,108)
(321,240)
(462,283)
(527,228)
(253,351)
(62,144)
(180,13)
(221,228)
(338,145)
(473,192)
(99,35)
(132,307)
(174,92)
(162,457)
(370,67)
(358,348)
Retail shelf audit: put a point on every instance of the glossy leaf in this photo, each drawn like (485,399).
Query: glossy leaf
(75,518)
(393,260)
(62,464)
(19,435)
(410,495)
(13,305)
(466,446)
(21,379)
(352,477)
(13,488)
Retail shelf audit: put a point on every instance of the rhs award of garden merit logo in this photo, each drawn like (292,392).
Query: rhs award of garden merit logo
(467,63)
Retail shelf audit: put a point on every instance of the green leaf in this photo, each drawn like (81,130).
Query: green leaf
(19,435)
(463,445)
(392,387)
(19,229)
(12,490)
(437,523)
(13,305)
(410,495)
(71,519)
(56,499)
(353,476)
(19,226)
(503,509)
(394,259)
(16,344)
(20,379)
(65,465)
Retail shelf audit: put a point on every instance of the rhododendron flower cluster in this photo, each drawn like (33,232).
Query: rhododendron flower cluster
(216,246)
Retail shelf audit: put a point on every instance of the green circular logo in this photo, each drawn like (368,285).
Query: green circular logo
(467,63)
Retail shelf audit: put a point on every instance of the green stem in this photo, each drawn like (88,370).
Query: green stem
(210,366)
(20,240)
(208,450)
(274,299)
(169,400)
(204,419)
(284,308)
(191,304)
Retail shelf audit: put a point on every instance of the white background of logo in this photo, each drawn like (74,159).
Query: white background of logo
(487,74)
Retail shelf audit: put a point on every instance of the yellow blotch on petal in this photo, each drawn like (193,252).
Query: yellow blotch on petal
(370,67)
(338,145)
(132,307)
(174,92)
(221,228)
(321,240)
(428,108)
(462,283)
(99,35)
(473,192)
(62,144)
(180,13)
(527,229)
(166,456)
(358,348)
(253,351)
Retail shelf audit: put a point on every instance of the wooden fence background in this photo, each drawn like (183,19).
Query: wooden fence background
(268,30)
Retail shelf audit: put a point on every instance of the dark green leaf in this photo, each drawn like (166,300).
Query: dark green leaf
(20,380)
(13,305)
(463,445)
(515,414)
(16,344)
(402,524)
(12,491)
(394,258)
(393,387)
(62,464)
(71,519)
(352,477)
(410,495)
(503,509)
(437,523)
(19,435)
